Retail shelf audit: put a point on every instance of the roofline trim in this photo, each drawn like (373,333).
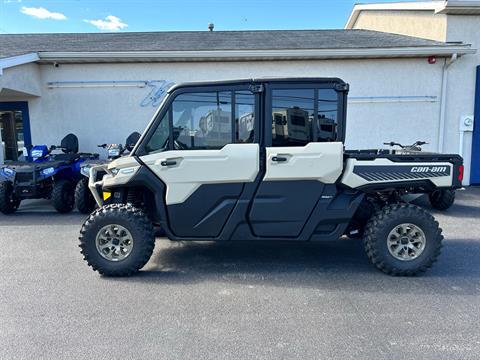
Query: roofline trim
(438,7)
(257,54)
(17,60)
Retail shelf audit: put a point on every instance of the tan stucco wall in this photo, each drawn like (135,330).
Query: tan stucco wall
(412,23)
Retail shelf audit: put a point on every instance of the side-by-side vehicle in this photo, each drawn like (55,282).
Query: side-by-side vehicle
(263,159)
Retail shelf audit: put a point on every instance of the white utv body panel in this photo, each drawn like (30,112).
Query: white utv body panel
(314,161)
(234,163)
(364,172)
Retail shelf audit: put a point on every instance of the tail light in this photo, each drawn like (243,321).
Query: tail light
(460,173)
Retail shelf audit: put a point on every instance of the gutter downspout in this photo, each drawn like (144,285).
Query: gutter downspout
(443,101)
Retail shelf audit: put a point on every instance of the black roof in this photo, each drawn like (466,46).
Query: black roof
(332,81)
(18,44)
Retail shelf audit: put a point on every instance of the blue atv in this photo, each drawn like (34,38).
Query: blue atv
(43,174)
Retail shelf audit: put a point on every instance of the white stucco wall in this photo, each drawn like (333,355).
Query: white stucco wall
(99,115)
(22,78)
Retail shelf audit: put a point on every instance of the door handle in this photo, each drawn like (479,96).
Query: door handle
(168,163)
(279,158)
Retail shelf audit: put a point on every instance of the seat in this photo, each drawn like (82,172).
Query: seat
(66,157)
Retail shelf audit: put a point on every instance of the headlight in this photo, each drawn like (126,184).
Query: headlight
(47,171)
(7,172)
(114,171)
(85,170)
(114,152)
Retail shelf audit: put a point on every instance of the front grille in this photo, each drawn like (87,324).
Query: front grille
(23,177)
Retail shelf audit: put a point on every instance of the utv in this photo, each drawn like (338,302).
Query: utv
(43,175)
(261,177)
(84,199)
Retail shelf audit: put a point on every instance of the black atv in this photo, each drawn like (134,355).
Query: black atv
(83,197)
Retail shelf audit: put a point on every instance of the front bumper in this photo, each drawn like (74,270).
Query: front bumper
(95,183)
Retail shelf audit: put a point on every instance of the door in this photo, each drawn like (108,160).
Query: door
(303,156)
(14,129)
(475,169)
(205,149)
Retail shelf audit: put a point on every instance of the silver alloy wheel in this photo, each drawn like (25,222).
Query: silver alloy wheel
(406,242)
(114,242)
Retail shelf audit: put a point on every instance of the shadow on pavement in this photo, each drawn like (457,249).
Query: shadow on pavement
(328,265)
(40,212)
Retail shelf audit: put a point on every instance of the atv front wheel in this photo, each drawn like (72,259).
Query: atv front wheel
(63,196)
(84,199)
(442,199)
(402,239)
(8,203)
(117,240)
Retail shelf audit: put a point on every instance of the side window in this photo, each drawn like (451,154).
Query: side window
(244,116)
(202,120)
(292,115)
(327,115)
(159,140)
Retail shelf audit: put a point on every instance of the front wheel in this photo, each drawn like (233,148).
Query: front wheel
(442,199)
(8,203)
(84,199)
(63,196)
(117,240)
(402,239)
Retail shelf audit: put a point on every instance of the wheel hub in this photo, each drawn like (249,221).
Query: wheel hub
(114,242)
(406,242)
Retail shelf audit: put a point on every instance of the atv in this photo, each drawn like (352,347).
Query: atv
(43,174)
(84,199)
(440,199)
(263,159)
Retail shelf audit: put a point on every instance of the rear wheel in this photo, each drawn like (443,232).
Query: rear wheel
(442,199)
(84,199)
(402,239)
(117,240)
(8,203)
(63,195)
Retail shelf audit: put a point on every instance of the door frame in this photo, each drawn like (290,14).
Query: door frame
(23,107)
(475,160)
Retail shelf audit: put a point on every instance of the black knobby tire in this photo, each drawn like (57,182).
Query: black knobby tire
(138,225)
(8,203)
(63,195)
(442,199)
(84,199)
(384,221)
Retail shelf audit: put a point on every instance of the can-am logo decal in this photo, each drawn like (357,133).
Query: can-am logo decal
(431,169)
(400,172)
